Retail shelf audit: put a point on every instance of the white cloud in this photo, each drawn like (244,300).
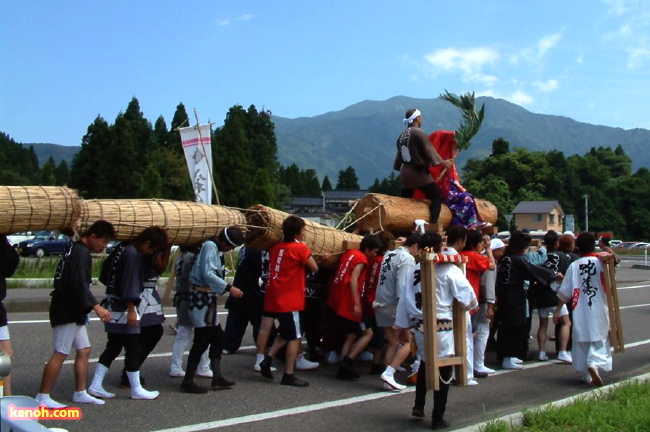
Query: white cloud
(537,52)
(227,21)
(245,17)
(637,56)
(520,98)
(546,86)
(470,62)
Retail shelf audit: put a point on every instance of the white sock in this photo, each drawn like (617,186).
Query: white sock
(84,397)
(45,400)
(259,358)
(137,392)
(389,370)
(96,387)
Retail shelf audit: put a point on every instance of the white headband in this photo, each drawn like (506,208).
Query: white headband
(408,121)
(225,233)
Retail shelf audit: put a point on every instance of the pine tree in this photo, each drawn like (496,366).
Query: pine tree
(47,173)
(327,185)
(348,179)
(90,169)
(62,173)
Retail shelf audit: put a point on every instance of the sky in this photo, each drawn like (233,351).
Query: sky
(64,62)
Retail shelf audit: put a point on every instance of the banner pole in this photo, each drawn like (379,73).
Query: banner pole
(209,162)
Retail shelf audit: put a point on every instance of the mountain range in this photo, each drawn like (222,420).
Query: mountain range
(363,136)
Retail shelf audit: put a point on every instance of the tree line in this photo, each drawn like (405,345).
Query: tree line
(133,158)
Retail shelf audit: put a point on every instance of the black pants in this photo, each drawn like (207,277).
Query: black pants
(239,315)
(439,396)
(132,350)
(149,338)
(203,337)
(510,340)
(431,193)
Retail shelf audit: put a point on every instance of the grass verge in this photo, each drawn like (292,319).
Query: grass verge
(624,408)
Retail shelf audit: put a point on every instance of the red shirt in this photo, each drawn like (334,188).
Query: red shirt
(285,291)
(370,286)
(477,265)
(340,298)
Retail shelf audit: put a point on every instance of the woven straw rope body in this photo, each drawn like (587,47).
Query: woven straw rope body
(187,223)
(379,212)
(265,230)
(33,208)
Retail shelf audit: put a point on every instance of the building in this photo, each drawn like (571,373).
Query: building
(328,209)
(539,215)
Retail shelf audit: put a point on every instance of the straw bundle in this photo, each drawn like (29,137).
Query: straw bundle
(186,222)
(380,212)
(265,230)
(32,208)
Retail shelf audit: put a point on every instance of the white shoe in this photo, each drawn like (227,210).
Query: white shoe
(99,392)
(565,356)
(177,373)
(509,363)
(390,380)
(46,401)
(333,357)
(387,387)
(586,377)
(542,356)
(484,369)
(303,364)
(365,356)
(257,368)
(226,352)
(517,360)
(472,382)
(400,369)
(205,373)
(84,397)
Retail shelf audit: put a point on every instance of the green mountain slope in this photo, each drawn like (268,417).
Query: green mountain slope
(363,136)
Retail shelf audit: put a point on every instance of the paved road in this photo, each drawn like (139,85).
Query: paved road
(327,404)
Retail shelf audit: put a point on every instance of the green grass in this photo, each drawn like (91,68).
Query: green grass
(625,408)
(44,268)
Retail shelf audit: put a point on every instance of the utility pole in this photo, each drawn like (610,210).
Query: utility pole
(586,197)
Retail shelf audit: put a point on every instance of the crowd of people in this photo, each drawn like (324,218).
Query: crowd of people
(369,306)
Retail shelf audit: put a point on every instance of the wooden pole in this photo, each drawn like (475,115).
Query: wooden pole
(209,161)
(428,291)
(172,277)
(615,324)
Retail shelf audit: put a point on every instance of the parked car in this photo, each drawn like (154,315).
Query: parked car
(44,243)
(639,245)
(615,243)
(16,238)
(625,244)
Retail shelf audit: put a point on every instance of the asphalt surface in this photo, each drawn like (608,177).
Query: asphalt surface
(328,404)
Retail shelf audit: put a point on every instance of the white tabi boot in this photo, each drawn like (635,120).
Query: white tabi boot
(137,391)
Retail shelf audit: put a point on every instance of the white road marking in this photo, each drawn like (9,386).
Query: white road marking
(91,319)
(634,306)
(333,404)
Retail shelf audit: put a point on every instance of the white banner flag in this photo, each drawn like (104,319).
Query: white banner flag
(198,154)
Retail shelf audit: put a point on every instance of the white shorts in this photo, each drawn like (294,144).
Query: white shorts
(4,333)
(68,335)
(385,315)
(548,312)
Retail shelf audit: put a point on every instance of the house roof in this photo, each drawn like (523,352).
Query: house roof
(307,201)
(345,194)
(537,207)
